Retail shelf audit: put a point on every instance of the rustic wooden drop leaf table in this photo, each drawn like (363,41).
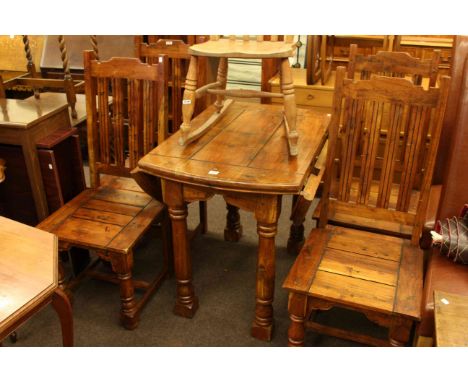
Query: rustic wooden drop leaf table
(244,157)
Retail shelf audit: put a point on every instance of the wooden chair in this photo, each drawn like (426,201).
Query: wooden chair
(70,86)
(115,213)
(319,58)
(177,52)
(178,57)
(393,64)
(384,63)
(378,275)
(231,47)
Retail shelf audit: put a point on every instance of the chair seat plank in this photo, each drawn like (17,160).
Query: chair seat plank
(132,198)
(303,271)
(124,240)
(102,216)
(104,206)
(365,243)
(410,282)
(360,266)
(353,291)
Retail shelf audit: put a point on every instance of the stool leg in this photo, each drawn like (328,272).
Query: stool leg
(62,307)
(297,308)
(222,79)
(296,234)
(188,102)
(287,88)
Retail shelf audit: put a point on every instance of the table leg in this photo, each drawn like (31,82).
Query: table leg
(62,306)
(267,223)
(186,302)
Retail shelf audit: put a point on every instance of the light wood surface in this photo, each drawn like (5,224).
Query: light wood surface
(23,114)
(28,269)
(29,278)
(451,319)
(224,49)
(245,159)
(243,49)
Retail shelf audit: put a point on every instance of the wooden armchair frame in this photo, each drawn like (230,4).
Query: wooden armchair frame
(378,275)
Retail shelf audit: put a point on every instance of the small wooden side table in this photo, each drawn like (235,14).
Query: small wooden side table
(451,319)
(28,278)
(23,123)
(243,157)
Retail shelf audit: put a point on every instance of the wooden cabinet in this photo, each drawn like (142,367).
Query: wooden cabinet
(26,128)
(61,172)
(317,96)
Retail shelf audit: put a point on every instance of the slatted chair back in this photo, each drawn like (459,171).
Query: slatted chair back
(178,56)
(363,109)
(393,64)
(319,58)
(120,135)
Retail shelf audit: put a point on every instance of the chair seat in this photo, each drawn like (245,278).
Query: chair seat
(360,270)
(112,217)
(243,49)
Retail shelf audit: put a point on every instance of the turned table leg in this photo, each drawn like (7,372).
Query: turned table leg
(186,302)
(233,230)
(267,223)
(62,307)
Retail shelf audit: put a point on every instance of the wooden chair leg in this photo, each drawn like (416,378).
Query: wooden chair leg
(203,208)
(62,307)
(290,112)
(296,233)
(122,266)
(399,331)
(297,308)
(233,230)
(188,102)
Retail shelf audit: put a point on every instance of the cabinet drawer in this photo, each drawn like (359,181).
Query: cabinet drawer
(309,97)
